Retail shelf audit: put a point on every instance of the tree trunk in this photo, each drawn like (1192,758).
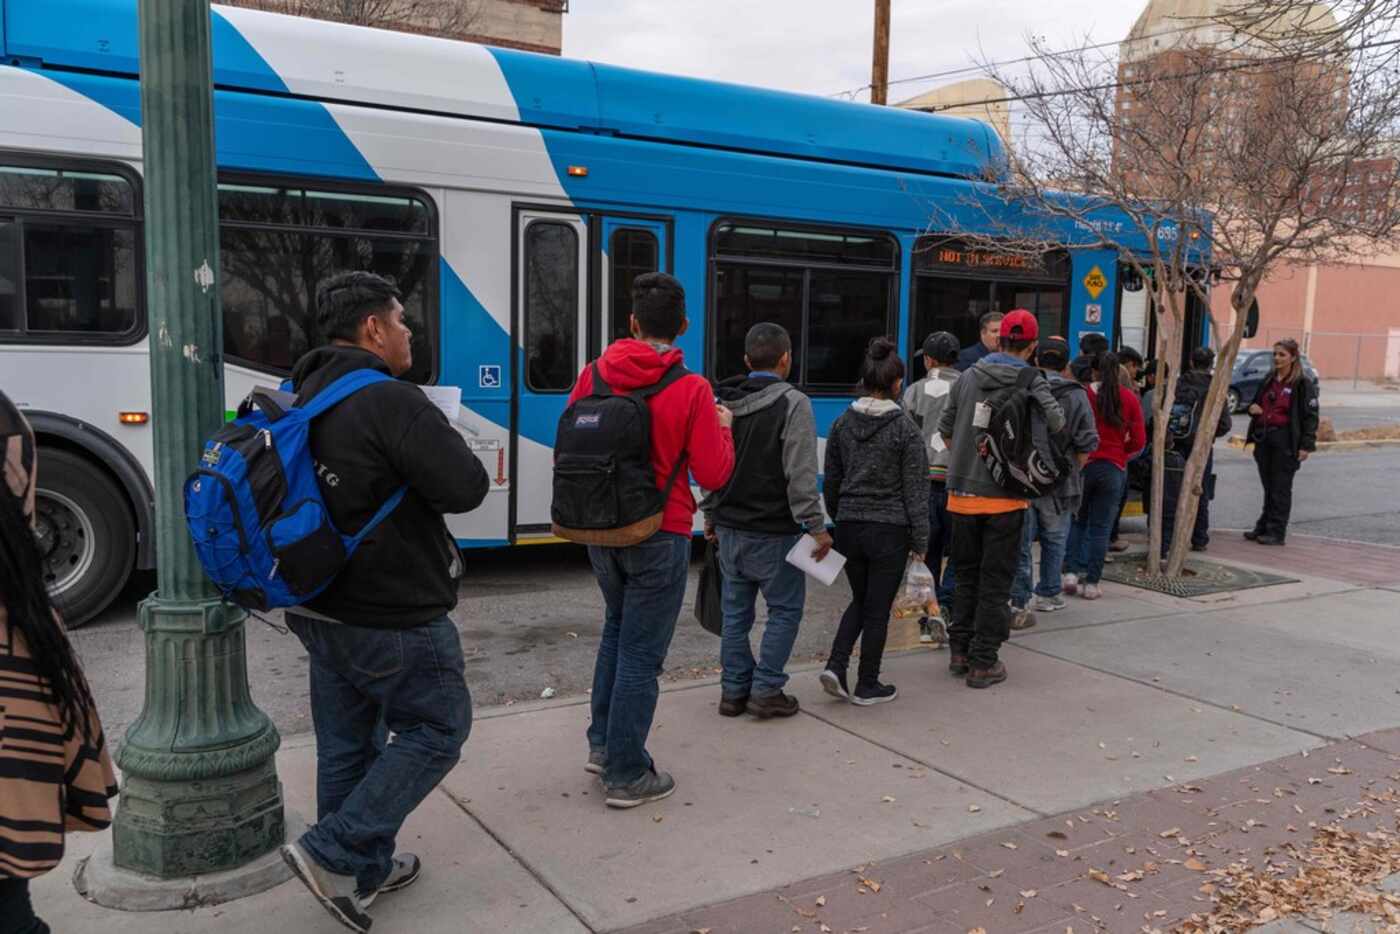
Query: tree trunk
(1169,332)
(1193,478)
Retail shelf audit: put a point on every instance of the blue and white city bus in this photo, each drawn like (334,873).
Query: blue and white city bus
(513,196)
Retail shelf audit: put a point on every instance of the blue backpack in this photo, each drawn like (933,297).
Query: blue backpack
(254,508)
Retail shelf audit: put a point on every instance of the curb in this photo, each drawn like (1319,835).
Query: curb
(1238,441)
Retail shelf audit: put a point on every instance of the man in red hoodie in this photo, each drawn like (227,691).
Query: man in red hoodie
(643,585)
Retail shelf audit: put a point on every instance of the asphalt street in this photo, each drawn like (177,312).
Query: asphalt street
(530,618)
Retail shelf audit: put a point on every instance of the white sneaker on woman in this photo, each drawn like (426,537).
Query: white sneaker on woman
(1091,591)
(1069,583)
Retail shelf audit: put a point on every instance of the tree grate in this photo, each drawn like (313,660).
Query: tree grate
(1202,578)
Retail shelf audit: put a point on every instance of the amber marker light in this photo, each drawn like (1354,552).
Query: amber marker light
(578,171)
(133,418)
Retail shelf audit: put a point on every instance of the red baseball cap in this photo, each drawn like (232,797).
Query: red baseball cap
(1020,325)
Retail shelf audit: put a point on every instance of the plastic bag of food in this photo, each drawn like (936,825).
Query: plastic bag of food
(916,597)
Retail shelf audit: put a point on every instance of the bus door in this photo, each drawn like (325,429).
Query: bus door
(627,248)
(552,324)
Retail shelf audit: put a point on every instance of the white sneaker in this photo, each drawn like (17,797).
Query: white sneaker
(1047,604)
(1069,583)
(1091,592)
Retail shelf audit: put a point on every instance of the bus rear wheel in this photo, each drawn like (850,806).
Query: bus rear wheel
(87,537)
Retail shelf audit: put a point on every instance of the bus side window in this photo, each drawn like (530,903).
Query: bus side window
(69,256)
(551,306)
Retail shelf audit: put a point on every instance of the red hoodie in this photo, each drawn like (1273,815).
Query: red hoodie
(683,419)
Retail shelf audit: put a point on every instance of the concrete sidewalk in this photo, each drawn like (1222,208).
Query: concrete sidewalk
(1107,702)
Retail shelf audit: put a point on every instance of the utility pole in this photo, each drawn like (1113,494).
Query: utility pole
(200,792)
(880,64)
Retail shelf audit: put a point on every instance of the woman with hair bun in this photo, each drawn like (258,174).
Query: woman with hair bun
(876,490)
(1283,427)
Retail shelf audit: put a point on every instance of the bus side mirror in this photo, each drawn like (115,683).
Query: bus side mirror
(1251,320)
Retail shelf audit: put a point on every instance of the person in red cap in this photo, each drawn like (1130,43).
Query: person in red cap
(987,518)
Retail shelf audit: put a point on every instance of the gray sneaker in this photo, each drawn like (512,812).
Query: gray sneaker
(597,760)
(1021,618)
(335,892)
(652,786)
(1047,604)
(404,873)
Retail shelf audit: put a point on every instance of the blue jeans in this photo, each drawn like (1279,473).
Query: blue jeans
(755,562)
(940,541)
(1051,527)
(643,587)
(1088,535)
(365,682)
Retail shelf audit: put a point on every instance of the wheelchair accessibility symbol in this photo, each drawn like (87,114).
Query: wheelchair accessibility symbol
(489,376)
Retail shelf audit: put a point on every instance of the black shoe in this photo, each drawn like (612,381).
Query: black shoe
(1269,540)
(1252,536)
(652,786)
(925,631)
(957,664)
(774,705)
(733,706)
(867,695)
(1201,547)
(986,677)
(834,683)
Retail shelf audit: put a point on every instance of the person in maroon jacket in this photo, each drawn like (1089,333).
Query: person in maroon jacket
(643,585)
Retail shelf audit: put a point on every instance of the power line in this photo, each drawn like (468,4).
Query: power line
(1019,61)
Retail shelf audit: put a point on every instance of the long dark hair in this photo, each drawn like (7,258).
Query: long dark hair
(30,613)
(1110,401)
(881,369)
(1295,369)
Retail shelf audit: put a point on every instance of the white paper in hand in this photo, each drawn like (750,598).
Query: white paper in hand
(825,570)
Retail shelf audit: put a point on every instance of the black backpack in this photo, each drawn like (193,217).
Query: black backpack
(605,489)
(1017,446)
(1184,419)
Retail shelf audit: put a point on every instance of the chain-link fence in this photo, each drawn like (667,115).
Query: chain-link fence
(1337,355)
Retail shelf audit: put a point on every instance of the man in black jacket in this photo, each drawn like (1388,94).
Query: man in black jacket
(1187,411)
(770,500)
(383,651)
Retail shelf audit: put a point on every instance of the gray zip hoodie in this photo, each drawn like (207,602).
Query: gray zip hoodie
(1083,435)
(925,401)
(966,472)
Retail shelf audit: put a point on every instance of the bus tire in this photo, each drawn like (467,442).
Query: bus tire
(87,536)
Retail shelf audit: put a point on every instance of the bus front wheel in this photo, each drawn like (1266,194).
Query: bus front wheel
(86,534)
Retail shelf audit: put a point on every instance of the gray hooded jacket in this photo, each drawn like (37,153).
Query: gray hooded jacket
(876,470)
(966,472)
(925,401)
(1083,436)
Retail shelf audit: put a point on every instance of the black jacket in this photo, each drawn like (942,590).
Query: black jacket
(970,355)
(1192,387)
(383,437)
(1302,415)
(877,470)
(773,489)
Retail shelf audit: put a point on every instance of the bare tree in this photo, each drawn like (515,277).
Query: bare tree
(451,18)
(1262,136)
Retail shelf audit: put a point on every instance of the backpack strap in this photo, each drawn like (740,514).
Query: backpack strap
(600,385)
(673,374)
(342,388)
(389,506)
(1025,377)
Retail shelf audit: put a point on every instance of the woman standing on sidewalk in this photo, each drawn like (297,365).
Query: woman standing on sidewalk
(1118,418)
(54,771)
(876,489)
(1283,427)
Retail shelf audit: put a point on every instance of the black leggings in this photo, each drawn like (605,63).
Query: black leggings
(1277,462)
(876,553)
(16,911)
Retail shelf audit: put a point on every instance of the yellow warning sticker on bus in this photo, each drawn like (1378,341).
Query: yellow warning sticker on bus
(1095,282)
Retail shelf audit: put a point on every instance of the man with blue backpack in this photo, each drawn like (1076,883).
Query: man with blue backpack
(384,654)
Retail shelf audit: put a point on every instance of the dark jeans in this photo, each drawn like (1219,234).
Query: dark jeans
(364,682)
(1171,495)
(1088,535)
(643,588)
(1277,462)
(987,549)
(876,553)
(16,911)
(753,563)
(940,540)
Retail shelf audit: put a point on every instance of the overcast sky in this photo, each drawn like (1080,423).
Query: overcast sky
(823,46)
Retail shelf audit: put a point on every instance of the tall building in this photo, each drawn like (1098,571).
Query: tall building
(979,98)
(1345,316)
(532,25)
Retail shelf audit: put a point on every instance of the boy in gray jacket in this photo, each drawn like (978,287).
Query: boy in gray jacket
(771,499)
(925,401)
(987,519)
(1048,518)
